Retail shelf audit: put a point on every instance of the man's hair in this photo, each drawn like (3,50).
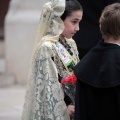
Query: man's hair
(110,21)
(71,6)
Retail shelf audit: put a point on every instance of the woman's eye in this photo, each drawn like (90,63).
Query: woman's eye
(74,22)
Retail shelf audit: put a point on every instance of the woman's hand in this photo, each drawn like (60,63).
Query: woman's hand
(71,110)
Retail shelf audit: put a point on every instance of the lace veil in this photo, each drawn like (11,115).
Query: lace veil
(50,25)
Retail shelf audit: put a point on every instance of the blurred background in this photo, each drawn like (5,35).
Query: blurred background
(19,21)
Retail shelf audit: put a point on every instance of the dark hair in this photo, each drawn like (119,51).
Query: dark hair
(71,5)
(110,21)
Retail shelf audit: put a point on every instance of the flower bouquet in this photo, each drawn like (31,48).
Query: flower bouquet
(69,86)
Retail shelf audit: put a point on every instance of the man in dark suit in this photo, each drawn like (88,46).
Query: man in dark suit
(89,33)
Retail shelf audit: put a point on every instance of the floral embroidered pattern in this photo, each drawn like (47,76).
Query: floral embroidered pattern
(44,97)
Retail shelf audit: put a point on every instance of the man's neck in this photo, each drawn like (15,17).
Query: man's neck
(112,40)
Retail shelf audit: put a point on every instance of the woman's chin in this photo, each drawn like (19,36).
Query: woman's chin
(68,37)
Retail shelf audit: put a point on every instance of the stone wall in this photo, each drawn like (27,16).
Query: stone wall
(21,24)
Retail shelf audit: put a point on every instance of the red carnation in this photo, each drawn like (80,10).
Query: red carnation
(69,84)
(69,80)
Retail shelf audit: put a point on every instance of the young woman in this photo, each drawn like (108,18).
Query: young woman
(54,49)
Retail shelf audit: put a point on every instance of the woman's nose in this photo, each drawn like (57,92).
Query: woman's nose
(77,28)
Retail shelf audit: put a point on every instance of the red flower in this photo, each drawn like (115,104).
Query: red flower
(69,80)
(69,84)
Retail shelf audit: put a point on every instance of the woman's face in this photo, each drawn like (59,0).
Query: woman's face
(71,24)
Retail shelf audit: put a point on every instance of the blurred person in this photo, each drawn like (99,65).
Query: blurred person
(44,96)
(89,33)
(98,73)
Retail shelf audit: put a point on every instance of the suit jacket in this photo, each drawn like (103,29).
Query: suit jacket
(89,33)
